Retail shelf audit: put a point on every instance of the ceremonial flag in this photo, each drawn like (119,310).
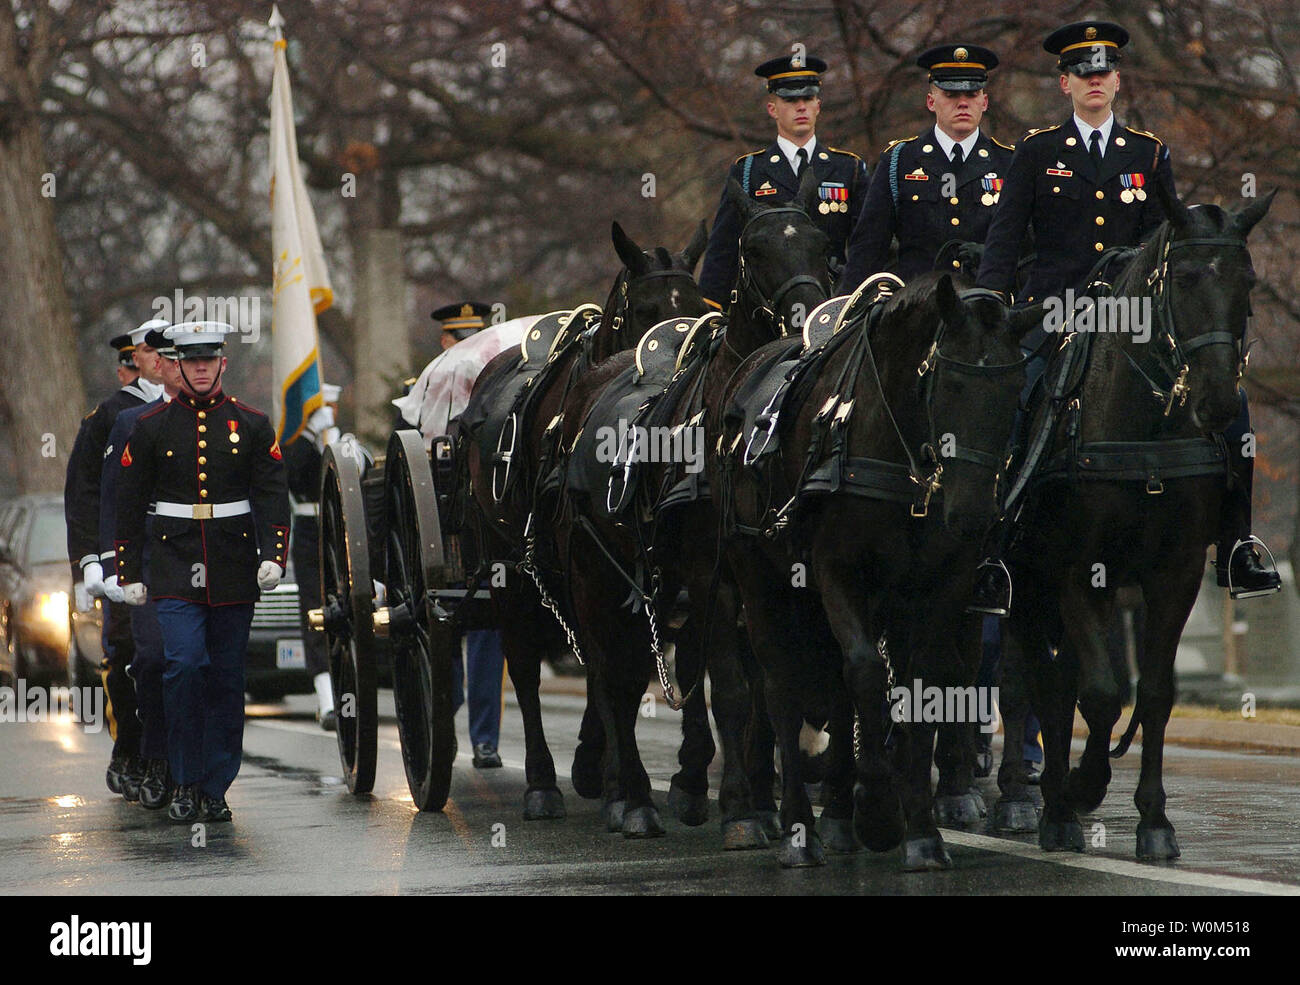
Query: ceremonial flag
(301,288)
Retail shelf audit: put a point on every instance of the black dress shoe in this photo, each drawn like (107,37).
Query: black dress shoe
(185,807)
(156,789)
(113,775)
(132,778)
(216,809)
(1246,576)
(486,756)
(992,594)
(1033,775)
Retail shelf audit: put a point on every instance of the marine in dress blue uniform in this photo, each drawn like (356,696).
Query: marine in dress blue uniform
(81,509)
(770,176)
(211,466)
(942,185)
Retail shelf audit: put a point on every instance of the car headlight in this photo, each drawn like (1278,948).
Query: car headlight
(52,609)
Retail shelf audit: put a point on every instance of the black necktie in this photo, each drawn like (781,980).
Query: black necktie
(956,156)
(800,159)
(1094,147)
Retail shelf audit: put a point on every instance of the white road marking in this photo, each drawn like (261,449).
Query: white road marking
(1092,863)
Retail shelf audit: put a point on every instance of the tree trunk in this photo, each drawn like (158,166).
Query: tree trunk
(40,387)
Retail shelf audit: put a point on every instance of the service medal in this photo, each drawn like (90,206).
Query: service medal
(824,208)
(1126,196)
(1140,194)
(986,198)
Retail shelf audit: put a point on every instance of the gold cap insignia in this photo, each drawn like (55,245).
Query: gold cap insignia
(1090,34)
(960,54)
(466,310)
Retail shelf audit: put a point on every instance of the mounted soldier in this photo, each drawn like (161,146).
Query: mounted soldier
(771,176)
(936,187)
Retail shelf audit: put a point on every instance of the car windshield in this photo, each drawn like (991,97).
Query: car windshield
(48,539)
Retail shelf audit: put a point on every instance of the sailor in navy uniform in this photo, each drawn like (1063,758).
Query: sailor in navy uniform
(147,664)
(215,473)
(1087,184)
(137,363)
(771,176)
(942,185)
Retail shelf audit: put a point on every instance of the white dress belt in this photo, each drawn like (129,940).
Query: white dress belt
(203,511)
(306,509)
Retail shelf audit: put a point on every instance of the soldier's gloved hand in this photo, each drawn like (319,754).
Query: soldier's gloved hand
(135,593)
(113,591)
(92,576)
(269,575)
(82,598)
(348,444)
(380,591)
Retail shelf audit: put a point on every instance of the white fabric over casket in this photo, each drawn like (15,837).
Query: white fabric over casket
(443,389)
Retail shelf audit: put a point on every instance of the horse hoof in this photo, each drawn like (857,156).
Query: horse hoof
(958,811)
(806,853)
(1015,817)
(978,798)
(642,822)
(769,823)
(743,835)
(1060,836)
(837,835)
(1084,793)
(613,812)
(878,822)
(692,809)
(588,781)
(544,805)
(1156,844)
(925,855)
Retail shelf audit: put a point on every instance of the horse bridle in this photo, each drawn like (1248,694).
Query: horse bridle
(624,295)
(1175,364)
(746,286)
(931,483)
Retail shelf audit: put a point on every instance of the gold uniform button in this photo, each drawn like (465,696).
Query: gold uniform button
(916,198)
(169,453)
(202,428)
(203,494)
(203,444)
(952,201)
(956,221)
(202,415)
(1056,189)
(1098,247)
(956,265)
(234,451)
(1100,193)
(1101,221)
(203,477)
(203,460)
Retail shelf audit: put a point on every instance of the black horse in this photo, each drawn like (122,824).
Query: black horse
(1128,494)
(834,547)
(510,518)
(667,539)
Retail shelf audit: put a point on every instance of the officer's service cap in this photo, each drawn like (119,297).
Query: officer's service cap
(199,339)
(463,318)
(124,346)
(959,67)
(1087,47)
(793,76)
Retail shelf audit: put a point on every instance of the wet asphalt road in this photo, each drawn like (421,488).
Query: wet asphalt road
(298,830)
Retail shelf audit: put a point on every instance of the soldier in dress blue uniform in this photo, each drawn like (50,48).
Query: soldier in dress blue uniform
(938,186)
(215,473)
(1084,185)
(147,665)
(81,511)
(772,175)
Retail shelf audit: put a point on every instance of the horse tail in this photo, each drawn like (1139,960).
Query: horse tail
(1126,739)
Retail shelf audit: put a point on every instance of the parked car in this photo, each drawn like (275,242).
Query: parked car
(71,648)
(35,588)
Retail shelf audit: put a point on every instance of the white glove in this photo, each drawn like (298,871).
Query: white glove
(92,576)
(135,593)
(112,591)
(269,575)
(381,592)
(349,445)
(82,598)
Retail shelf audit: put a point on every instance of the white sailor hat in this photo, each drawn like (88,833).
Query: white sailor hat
(199,339)
(137,335)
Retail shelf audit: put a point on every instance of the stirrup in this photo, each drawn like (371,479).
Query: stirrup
(995,607)
(1240,593)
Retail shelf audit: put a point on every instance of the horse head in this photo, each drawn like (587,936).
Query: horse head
(971,380)
(1198,269)
(783,270)
(654,285)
